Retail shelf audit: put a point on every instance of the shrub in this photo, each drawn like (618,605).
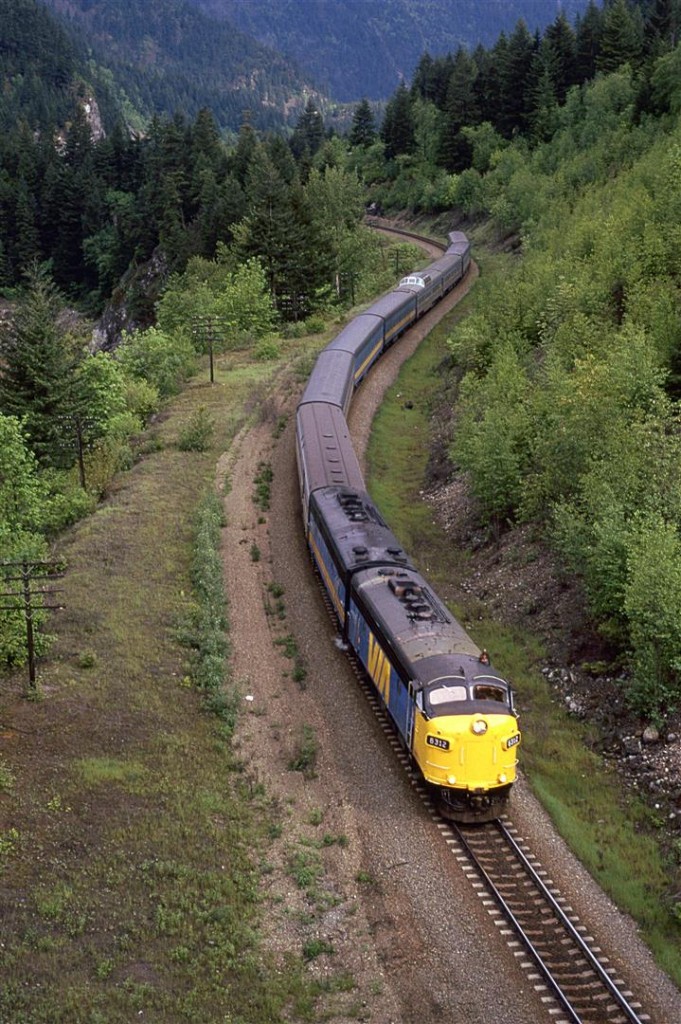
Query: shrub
(162,360)
(197,433)
(305,756)
(315,324)
(267,350)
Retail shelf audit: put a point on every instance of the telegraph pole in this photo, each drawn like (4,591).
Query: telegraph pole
(21,593)
(210,330)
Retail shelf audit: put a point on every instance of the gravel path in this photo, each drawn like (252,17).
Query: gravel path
(393,903)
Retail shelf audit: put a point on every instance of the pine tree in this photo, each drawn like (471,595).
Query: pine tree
(544,115)
(308,133)
(26,236)
(662,26)
(269,230)
(363,131)
(461,110)
(588,35)
(622,40)
(488,81)
(516,81)
(397,131)
(560,39)
(37,365)
(243,154)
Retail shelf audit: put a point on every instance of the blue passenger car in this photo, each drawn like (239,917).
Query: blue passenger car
(363,339)
(332,379)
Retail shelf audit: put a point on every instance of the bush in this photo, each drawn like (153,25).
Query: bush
(197,434)
(315,324)
(267,350)
(67,501)
(162,360)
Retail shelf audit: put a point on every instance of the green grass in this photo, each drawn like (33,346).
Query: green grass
(612,833)
(133,845)
(138,846)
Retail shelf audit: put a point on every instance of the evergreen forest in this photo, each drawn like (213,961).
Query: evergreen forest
(563,148)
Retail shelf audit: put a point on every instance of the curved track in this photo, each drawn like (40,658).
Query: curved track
(568,970)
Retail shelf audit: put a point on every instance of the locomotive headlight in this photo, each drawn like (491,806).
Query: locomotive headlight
(501,777)
(451,779)
(479,727)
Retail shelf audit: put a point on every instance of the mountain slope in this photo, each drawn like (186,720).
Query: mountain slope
(168,55)
(355,48)
(44,70)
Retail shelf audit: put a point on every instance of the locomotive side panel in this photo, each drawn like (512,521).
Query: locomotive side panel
(389,678)
(330,570)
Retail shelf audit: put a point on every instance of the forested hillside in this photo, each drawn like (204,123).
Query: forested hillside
(44,70)
(169,57)
(568,374)
(565,145)
(356,48)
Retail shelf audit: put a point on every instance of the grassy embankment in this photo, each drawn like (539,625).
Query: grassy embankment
(613,834)
(132,842)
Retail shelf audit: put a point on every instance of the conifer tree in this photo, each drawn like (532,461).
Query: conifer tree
(588,34)
(269,230)
(363,130)
(243,154)
(560,39)
(308,133)
(281,156)
(663,21)
(37,364)
(488,80)
(26,235)
(622,40)
(397,131)
(461,110)
(516,81)
(544,116)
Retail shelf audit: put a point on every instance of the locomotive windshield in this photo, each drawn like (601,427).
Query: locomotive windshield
(446,694)
(487,691)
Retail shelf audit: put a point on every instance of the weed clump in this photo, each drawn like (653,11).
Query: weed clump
(305,756)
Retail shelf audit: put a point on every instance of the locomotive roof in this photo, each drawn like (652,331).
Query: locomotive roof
(360,534)
(426,637)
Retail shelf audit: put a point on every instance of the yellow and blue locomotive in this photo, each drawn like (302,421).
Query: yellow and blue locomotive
(453,712)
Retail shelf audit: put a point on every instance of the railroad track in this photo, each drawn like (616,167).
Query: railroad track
(377,224)
(570,973)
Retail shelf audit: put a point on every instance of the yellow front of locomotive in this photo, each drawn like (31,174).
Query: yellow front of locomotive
(469,757)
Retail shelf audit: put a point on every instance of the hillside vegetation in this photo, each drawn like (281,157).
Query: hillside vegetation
(567,410)
(322,36)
